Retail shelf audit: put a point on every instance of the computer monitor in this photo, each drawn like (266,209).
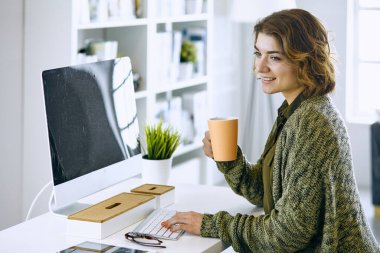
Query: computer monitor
(92,127)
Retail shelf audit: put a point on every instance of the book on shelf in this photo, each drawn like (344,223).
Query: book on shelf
(161,110)
(120,10)
(173,8)
(83,8)
(181,120)
(176,55)
(163,58)
(167,8)
(192,102)
(177,8)
(194,6)
(99,11)
(171,112)
(175,113)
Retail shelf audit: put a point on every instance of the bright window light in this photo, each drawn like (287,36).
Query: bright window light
(363,61)
(369,3)
(369,90)
(369,40)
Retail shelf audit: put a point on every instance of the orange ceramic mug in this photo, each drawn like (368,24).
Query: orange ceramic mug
(224,136)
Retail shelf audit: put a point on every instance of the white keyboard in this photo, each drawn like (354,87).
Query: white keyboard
(152,225)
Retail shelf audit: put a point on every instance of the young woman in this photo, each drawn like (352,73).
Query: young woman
(304,177)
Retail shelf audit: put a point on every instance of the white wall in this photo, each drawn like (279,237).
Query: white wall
(36,158)
(334,15)
(11,30)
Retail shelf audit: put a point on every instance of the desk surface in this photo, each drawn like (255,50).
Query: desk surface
(47,233)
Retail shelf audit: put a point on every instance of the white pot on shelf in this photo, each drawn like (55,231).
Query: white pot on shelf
(156,171)
(185,70)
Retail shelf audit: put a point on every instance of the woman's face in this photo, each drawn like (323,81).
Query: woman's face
(276,72)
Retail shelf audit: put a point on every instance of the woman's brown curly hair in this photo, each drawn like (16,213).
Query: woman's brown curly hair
(304,42)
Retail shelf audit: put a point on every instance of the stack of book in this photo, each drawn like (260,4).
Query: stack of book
(192,103)
(98,11)
(184,114)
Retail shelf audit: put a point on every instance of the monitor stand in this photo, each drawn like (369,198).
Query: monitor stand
(66,210)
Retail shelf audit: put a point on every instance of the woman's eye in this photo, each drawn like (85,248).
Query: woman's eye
(257,54)
(275,58)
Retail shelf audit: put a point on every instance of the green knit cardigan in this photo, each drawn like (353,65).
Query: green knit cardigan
(317,205)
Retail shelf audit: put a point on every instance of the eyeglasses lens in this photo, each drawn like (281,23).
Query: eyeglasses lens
(143,239)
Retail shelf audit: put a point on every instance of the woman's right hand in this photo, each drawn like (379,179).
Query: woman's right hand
(207,147)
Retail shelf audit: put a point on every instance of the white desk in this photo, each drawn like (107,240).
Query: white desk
(47,233)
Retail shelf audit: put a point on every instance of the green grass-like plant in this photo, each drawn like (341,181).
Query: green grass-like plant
(161,142)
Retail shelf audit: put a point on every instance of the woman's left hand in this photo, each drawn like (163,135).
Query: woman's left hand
(188,221)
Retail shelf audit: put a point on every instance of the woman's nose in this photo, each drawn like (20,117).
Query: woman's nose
(261,66)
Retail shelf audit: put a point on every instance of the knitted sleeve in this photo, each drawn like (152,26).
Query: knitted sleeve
(306,148)
(244,178)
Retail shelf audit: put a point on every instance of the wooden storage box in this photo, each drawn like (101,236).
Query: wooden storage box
(111,215)
(164,193)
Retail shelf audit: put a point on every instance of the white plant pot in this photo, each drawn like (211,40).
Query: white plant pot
(156,171)
(185,70)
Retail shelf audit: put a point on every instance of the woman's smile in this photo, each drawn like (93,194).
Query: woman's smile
(267,80)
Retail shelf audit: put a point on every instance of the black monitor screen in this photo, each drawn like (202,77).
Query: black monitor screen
(91,117)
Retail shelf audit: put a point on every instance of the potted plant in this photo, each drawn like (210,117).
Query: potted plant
(161,142)
(187,60)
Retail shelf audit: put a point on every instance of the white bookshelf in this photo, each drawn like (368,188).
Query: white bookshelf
(113,24)
(53,38)
(193,82)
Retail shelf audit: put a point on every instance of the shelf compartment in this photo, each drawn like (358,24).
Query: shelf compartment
(183,84)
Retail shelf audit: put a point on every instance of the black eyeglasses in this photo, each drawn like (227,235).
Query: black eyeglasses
(140,238)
